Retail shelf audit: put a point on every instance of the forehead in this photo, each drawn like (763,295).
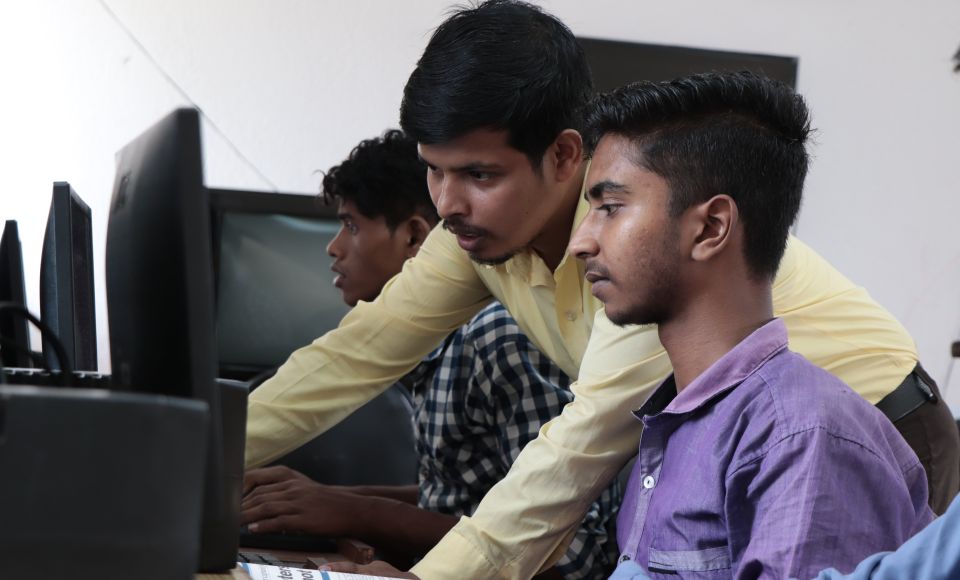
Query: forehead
(347,208)
(614,156)
(480,147)
(614,167)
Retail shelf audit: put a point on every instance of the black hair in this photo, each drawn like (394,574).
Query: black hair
(738,134)
(501,65)
(383,176)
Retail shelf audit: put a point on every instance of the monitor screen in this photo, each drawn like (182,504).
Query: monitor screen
(66,280)
(275,289)
(14,331)
(615,63)
(160,298)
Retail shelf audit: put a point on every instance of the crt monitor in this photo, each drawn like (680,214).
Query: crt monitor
(161,303)
(275,289)
(14,331)
(66,280)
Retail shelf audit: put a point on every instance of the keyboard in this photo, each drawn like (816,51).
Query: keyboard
(45,378)
(262,558)
(292,541)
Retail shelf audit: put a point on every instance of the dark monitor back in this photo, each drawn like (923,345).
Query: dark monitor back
(275,289)
(15,346)
(66,279)
(615,63)
(161,300)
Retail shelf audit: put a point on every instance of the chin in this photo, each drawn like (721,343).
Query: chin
(495,260)
(628,316)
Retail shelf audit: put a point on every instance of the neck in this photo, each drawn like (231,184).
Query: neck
(711,324)
(551,243)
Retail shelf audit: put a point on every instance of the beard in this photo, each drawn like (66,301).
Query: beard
(495,260)
(659,289)
(457,226)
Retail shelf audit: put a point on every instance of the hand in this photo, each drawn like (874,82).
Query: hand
(279,499)
(267,475)
(375,568)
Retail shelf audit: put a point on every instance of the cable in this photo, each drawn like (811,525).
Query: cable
(946,381)
(66,372)
(183,93)
(35,357)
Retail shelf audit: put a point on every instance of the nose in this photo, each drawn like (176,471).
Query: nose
(583,243)
(448,197)
(334,247)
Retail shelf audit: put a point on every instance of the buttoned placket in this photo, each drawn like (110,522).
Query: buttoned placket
(649,462)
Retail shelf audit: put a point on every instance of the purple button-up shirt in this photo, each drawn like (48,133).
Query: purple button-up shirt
(766,466)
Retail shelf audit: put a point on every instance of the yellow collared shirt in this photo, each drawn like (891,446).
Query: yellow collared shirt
(525,520)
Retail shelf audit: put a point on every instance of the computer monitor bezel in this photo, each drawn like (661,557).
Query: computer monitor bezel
(615,63)
(223,201)
(13,328)
(67,292)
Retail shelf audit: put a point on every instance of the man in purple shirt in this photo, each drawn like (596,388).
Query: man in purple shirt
(753,462)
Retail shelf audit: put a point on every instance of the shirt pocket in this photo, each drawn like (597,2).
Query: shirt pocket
(708,563)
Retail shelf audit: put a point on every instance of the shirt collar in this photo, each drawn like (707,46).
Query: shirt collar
(723,375)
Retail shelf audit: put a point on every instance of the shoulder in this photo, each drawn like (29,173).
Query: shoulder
(792,398)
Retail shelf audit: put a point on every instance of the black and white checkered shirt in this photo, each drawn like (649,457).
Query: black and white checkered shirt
(478,400)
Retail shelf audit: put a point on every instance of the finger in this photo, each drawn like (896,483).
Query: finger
(267,490)
(267,475)
(265,511)
(281,523)
(344,566)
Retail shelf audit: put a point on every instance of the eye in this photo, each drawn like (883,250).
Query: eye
(609,208)
(350,227)
(480,175)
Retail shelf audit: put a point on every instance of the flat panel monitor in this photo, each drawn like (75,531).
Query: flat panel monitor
(275,289)
(615,63)
(161,303)
(14,330)
(66,280)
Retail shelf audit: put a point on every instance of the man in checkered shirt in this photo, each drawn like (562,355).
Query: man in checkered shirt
(478,398)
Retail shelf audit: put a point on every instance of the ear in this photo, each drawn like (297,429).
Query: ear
(715,221)
(415,231)
(566,154)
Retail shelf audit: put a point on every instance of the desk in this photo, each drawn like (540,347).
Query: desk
(347,549)
(235,574)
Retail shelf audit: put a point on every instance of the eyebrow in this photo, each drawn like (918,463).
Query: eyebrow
(343,215)
(466,168)
(606,186)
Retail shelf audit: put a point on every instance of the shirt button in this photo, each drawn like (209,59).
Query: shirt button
(571,315)
(624,558)
(649,482)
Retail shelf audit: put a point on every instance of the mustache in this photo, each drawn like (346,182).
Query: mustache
(597,269)
(457,226)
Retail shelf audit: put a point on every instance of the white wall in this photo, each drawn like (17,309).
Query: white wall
(288,87)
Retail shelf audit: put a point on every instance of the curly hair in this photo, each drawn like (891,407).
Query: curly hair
(383,176)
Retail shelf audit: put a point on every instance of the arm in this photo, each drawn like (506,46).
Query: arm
(816,499)
(402,493)
(523,390)
(557,475)
(374,345)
